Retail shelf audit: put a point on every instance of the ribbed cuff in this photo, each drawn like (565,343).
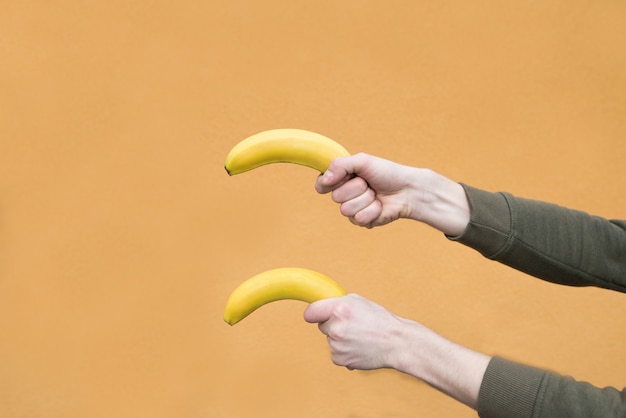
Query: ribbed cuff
(490,222)
(509,390)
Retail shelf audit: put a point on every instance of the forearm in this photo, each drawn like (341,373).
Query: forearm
(452,369)
(493,386)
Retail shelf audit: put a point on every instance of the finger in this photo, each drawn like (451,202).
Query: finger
(337,182)
(334,175)
(320,311)
(340,170)
(352,188)
(324,329)
(359,203)
(369,215)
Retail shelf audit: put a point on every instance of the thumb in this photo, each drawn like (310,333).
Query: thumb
(341,168)
(320,311)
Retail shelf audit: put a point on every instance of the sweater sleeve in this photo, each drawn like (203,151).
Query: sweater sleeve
(547,241)
(562,246)
(513,390)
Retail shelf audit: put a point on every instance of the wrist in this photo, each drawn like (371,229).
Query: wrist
(407,356)
(448,367)
(439,202)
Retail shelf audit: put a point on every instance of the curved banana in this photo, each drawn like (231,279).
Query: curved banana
(277,284)
(295,146)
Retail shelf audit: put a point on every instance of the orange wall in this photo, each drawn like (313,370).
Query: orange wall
(121,235)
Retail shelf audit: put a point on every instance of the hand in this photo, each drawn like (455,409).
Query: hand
(373,191)
(361,334)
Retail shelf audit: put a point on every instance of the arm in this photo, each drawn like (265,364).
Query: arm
(511,389)
(547,241)
(363,335)
(372,192)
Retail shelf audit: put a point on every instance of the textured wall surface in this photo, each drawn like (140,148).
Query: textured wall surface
(121,236)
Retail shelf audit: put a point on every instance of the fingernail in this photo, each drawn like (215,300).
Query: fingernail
(328,175)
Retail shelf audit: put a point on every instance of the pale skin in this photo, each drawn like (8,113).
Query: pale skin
(363,335)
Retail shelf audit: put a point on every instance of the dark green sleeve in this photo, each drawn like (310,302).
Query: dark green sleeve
(559,245)
(513,390)
(547,241)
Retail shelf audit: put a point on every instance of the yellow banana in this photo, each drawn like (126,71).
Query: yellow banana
(277,284)
(295,146)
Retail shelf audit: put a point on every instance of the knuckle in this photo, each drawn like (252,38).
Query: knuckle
(336,333)
(347,210)
(359,182)
(336,196)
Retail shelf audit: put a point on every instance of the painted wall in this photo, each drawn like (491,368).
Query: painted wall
(121,236)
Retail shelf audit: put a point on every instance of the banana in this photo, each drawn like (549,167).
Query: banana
(277,284)
(295,146)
